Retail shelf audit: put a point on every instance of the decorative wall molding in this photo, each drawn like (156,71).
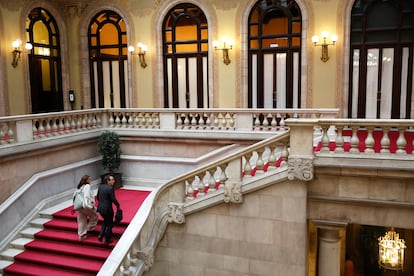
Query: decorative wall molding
(300,168)
(176,213)
(232,193)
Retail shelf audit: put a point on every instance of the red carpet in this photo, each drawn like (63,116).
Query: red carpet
(56,249)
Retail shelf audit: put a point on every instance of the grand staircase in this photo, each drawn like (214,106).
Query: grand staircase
(50,245)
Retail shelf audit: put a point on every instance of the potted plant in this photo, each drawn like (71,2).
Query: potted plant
(110,148)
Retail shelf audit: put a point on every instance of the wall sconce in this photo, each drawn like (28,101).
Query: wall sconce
(324,45)
(227,45)
(142,49)
(17,52)
(391,251)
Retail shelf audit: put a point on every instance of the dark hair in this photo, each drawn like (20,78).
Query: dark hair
(83,181)
(107,177)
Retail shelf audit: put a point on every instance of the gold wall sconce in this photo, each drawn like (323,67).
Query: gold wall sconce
(17,52)
(142,49)
(324,45)
(227,45)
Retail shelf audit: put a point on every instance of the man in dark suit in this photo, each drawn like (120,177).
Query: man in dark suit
(106,197)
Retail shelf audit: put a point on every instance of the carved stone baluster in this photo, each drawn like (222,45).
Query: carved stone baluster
(156,120)
(73,124)
(325,139)
(232,121)
(224,121)
(339,140)
(61,125)
(272,157)
(149,121)
(265,122)
(215,121)
(193,120)
(274,122)
(35,131)
(284,155)
(79,124)
(111,120)
(259,161)
(10,135)
(385,140)
(124,121)
(2,137)
(186,121)
(67,125)
(48,129)
(118,121)
(211,180)
(201,192)
(354,140)
(54,131)
(90,121)
(369,141)
(98,121)
(84,122)
(282,122)
(178,122)
(247,166)
(132,120)
(140,120)
(256,122)
(223,176)
(41,130)
(190,191)
(201,122)
(209,122)
(401,142)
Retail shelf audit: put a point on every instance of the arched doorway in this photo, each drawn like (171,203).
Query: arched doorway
(108,53)
(44,62)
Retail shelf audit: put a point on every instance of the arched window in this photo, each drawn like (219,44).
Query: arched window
(108,52)
(274,38)
(185,50)
(381,71)
(44,62)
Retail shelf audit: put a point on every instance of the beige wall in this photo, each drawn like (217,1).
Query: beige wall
(265,235)
(322,78)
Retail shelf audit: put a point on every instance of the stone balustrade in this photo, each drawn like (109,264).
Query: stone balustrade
(365,136)
(26,128)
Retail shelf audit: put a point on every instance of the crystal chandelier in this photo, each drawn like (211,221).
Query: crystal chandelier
(391,251)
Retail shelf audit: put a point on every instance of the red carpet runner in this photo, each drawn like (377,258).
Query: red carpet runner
(56,249)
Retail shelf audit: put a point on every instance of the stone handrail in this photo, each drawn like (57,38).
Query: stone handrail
(224,177)
(27,128)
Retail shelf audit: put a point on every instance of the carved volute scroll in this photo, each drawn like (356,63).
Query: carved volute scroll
(232,193)
(300,168)
(176,213)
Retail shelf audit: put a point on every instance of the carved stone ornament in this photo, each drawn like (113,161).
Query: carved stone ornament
(146,255)
(176,213)
(232,193)
(300,168)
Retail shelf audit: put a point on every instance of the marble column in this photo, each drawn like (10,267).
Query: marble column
(329,243)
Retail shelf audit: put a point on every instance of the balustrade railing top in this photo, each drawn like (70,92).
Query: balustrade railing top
(26,128)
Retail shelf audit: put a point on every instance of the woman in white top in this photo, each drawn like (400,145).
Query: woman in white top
(87,216)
